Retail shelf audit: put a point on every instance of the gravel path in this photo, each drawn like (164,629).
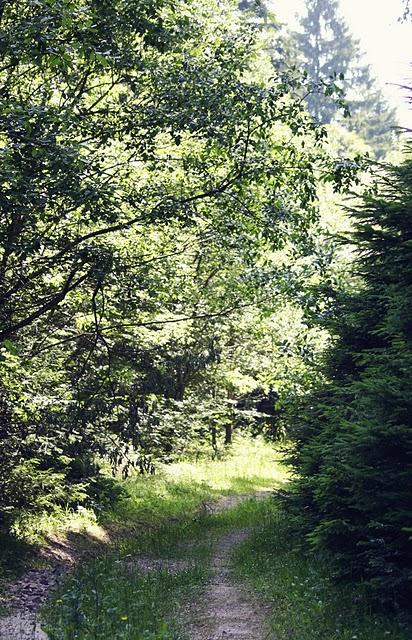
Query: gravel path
(227,610)
(26,596)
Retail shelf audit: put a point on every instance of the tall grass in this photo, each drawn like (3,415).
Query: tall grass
(175,490)
(307,603)
(180,489)
(110,598)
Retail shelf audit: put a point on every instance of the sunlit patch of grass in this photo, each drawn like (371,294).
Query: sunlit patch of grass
(179,489)
(36,528)
(175,491)
(168,507)
(307,603)
(252,465)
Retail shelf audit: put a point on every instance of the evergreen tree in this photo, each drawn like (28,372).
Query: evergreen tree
(373,119)
(354,434)
(330,53)
(327,49)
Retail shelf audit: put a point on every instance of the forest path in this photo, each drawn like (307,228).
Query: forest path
(227,610)
(26,595)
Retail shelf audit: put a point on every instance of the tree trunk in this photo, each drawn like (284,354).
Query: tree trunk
(228,433)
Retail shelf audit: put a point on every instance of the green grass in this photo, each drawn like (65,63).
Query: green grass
(182,488)
(306,603)
(166,516)
(173,492)
(105,600)
(155,510)
(109,598)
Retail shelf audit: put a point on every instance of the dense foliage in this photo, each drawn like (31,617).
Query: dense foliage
(163,253)
(353,433)
(158,190)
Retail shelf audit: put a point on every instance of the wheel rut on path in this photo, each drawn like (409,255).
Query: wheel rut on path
(227,609)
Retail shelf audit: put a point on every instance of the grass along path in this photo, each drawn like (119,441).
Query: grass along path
(129,596)
(188,572)
(306,602)
(106,595)
(245,576)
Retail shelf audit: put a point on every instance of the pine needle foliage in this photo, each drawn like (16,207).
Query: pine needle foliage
(353,435)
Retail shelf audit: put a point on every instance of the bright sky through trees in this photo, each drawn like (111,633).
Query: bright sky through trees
(386,41)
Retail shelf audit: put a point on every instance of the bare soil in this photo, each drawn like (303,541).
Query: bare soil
(226,609)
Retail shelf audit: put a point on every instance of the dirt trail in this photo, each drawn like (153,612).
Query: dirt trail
(26,596)
(21,626)
(227,610)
